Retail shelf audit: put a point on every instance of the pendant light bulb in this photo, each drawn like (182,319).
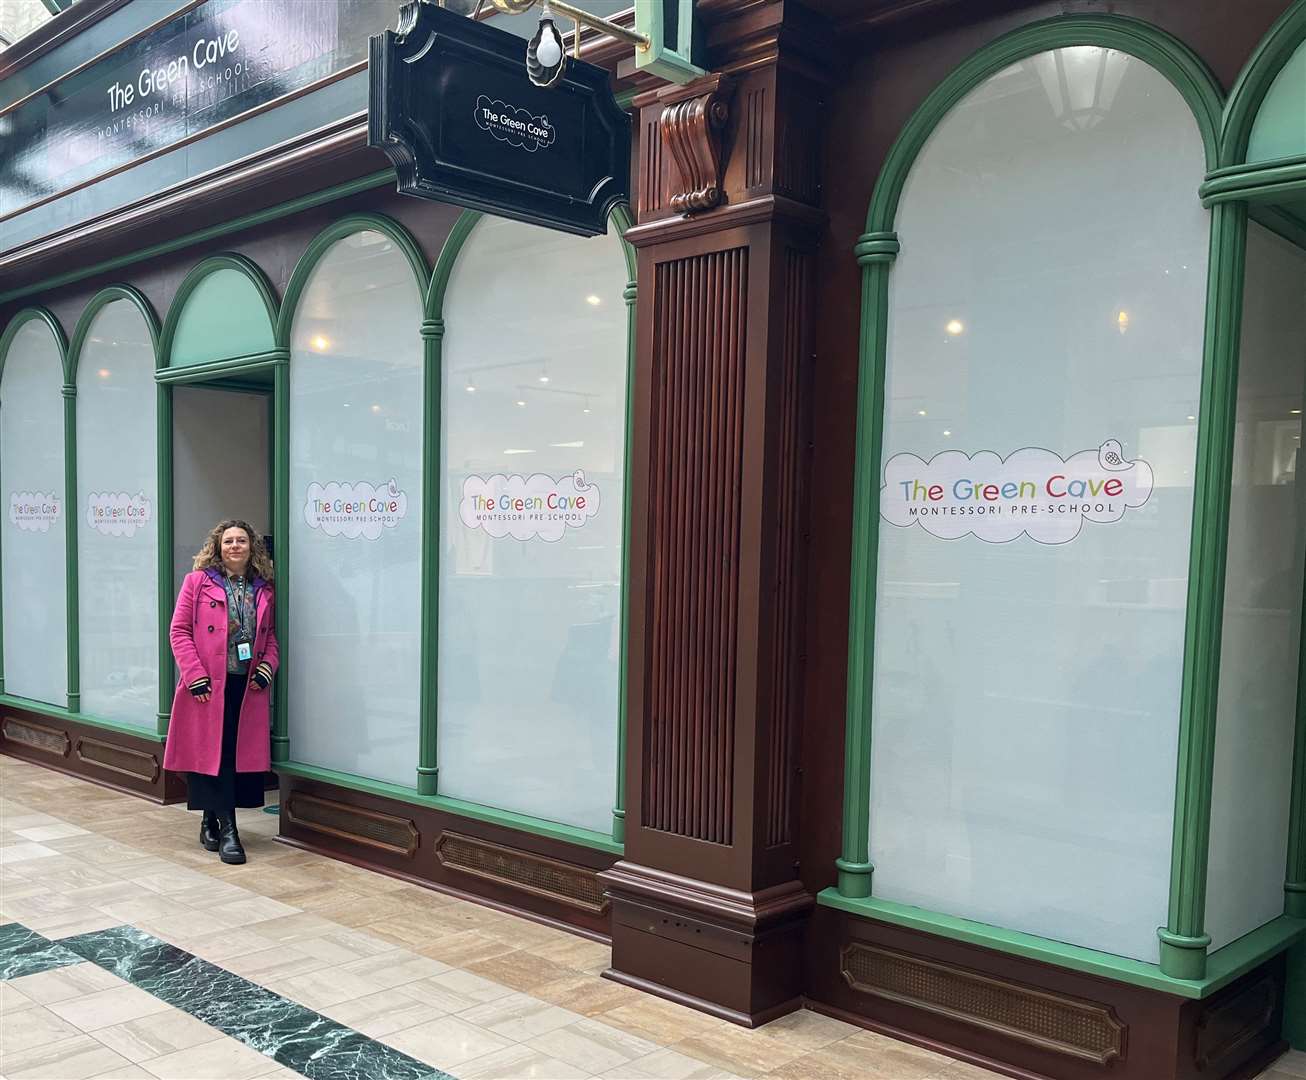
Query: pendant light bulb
(545,56)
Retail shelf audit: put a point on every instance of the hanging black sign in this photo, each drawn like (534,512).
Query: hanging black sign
(452,106)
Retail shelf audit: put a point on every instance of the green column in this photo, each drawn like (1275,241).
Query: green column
(281,542)
(1184,940)
(71,504)
(1294,881)
(428,704)
(629,294)
(163,453)
(875,254)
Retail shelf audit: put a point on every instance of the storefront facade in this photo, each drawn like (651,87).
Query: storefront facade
(869,576)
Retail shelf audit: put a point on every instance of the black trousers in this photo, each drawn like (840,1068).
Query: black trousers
(221,794)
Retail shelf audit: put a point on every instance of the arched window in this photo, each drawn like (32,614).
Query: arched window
(533,447)
(355,543)
(117,508)
(34,529)
(1042,379)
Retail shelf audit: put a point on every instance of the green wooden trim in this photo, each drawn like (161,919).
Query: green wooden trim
(53,711)
(1263,181)
(224,261)
(299,278)
(281,543)
(521,822)
(428,765)
(1225,965)
(1294,998)
(1183,938)
(1254,82)
(1153,46)
(453,246)
(225,228)
(6,339)
(163,449)
(164,538)
(236,365)
(1294,879)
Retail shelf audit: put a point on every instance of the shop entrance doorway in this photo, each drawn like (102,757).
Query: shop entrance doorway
(221,464)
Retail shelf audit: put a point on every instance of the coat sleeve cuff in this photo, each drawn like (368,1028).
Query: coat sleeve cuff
(263,675)
(200,686)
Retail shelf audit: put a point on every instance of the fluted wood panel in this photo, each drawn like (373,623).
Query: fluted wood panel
(785,668)
(694,507)
(650,180)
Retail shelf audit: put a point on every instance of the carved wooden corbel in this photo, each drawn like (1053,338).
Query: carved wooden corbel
(693,125)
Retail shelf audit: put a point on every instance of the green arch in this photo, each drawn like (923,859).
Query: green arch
(1179,64)
(225,261)
(1255,80)
(318,247)
(28,315)
(99,301)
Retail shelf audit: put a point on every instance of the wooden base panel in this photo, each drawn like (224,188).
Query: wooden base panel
(111,759)
(546,880)
(1032,1020)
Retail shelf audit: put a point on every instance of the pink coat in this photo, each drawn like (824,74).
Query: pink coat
(199,642)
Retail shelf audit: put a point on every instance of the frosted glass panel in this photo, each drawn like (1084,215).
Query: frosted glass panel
(117,508)
(223,317)
(1279,129)
(533,461)
(1262,601)
(1045,335)
(34,526)
(356,513)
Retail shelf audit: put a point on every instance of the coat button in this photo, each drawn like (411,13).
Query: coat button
(210,629)
(213,603)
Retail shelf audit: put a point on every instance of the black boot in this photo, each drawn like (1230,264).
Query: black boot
(229,849)
(209,831)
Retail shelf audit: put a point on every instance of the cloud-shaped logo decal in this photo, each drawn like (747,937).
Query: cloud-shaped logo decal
(1034,492)
(524,507)
(517,127)
(354,510)
(33,511)
(118,513)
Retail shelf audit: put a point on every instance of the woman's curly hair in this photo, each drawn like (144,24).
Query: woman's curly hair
(210,553)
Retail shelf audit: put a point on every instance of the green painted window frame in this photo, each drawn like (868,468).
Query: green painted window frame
(1183,941)
(21,319)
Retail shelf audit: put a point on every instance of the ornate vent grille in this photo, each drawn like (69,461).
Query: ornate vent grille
(371,828)
(563,883)
(119,759)
(39,737)
(1062,1024)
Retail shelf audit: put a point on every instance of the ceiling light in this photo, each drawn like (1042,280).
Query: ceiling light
(920,412)
(519,451)
(103,373)
(470,387)
(319,342)
(376,408)
(544,378)
(1122,321)
(521,403)
(1295,412)
(569,445)
(947,433)
(955,327)
(1192,418)
(593,300)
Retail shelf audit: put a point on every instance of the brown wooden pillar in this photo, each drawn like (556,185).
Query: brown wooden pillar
(707,906)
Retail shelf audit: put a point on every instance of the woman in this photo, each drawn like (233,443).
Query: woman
(227,653)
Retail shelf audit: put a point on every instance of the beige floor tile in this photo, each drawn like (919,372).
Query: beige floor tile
(15,822)
(807,1030)
(519,1063)
(326,986)
(61,984)
(156,1035)
(344,945)
(105,1008)
(36,1026)
(16,853)
(576,952)
(71,923)
(170,884)
(146,908)
(290,928)
(446,1042)
(662,1022)
(274,964)
(593,1046)
(248,912)
(38,905)
(1293,1063)
(961,1070)
(210,892)
(519,1017)
(459,949)
(587,994)
(125,1072)
(222,1059)
(74,1058)
(667,1065)
(448,999)
(60,831)
(384,1013)
(521,970)
(740,1051)
(864,1060)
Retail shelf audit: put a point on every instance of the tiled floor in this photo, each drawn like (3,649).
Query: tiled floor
(376,978)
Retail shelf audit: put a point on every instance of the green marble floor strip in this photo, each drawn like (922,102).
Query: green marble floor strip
(25,952)
(294,1036)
